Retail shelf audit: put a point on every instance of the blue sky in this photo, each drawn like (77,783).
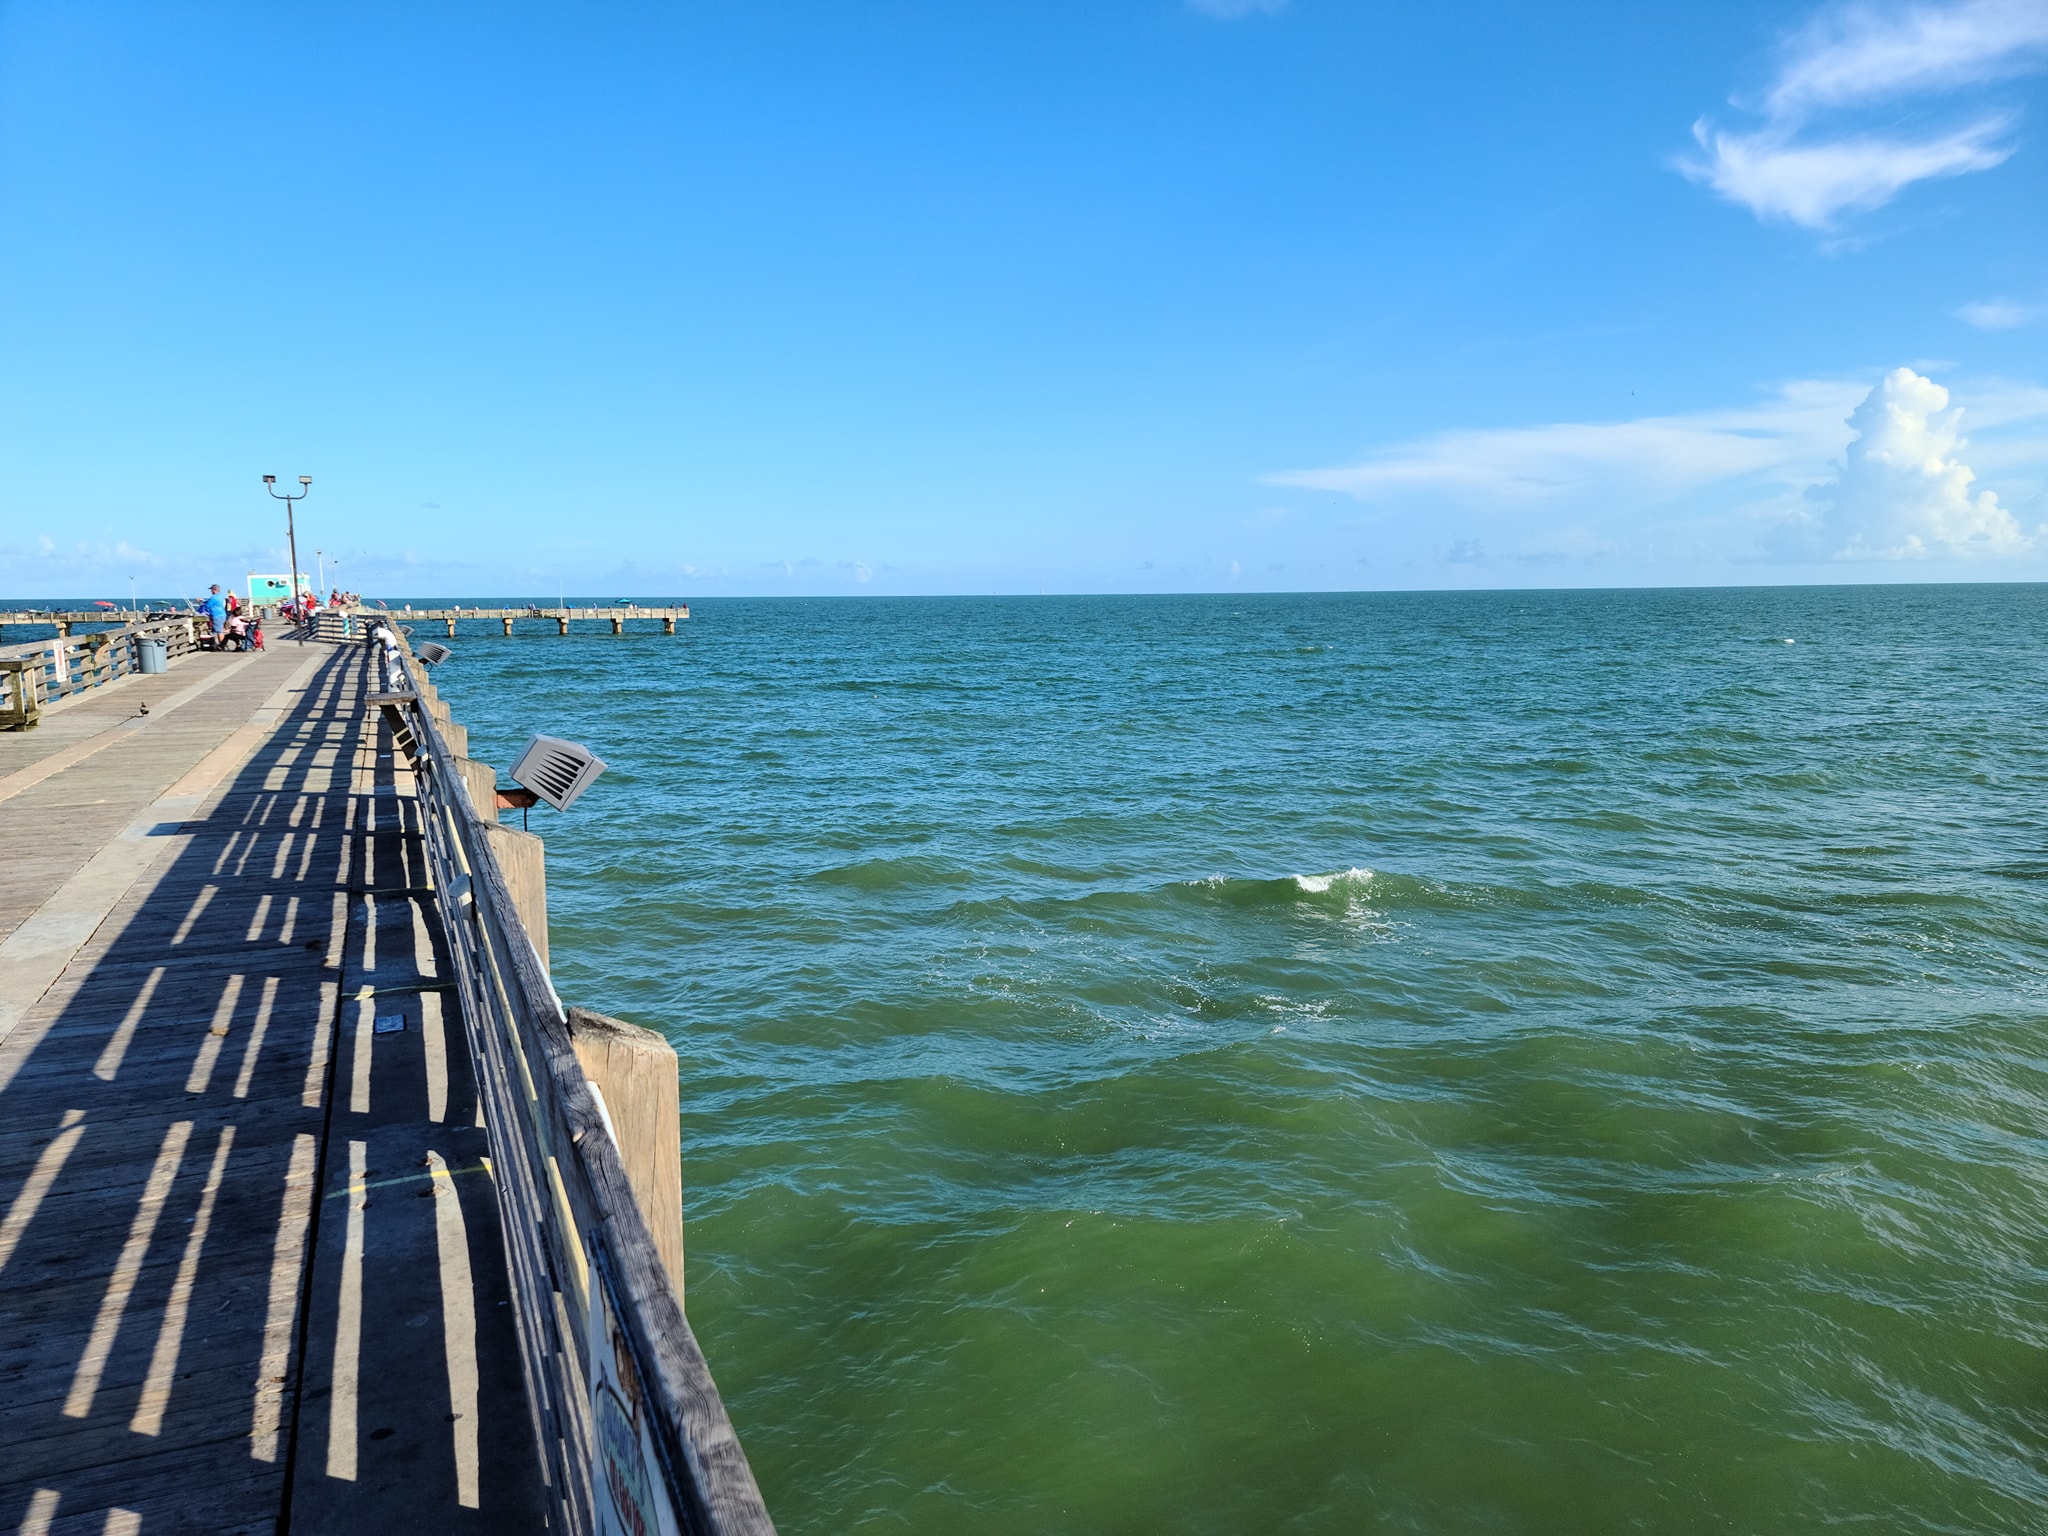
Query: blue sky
(1123,296)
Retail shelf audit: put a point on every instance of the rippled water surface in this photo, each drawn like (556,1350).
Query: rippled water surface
(1494,1063)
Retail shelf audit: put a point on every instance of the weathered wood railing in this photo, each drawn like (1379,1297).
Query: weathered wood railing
(631,1429)
(44,671)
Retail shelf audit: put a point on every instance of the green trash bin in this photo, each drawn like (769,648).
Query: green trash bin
(152,653)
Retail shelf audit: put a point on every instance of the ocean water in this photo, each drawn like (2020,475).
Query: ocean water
(1509,1062)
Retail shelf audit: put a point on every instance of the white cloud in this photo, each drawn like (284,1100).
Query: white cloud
(1853,56)
(2000,314)
(1816,472)
(2002,402)
(1814,184)
(1787,437)
(1904,491)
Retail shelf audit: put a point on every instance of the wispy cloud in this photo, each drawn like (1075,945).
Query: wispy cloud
(1809,163)
(1790,433)
(1852,54)
(1814,184)
(2000,314)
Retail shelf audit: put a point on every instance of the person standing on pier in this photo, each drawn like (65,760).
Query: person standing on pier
(216,609)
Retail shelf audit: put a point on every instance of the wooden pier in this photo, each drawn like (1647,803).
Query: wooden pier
(617,617)
(318,1211)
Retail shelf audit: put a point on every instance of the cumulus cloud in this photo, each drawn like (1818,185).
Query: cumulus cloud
(1810,163)
(1905,492)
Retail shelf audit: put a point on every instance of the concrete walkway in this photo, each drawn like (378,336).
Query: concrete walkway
(251,1277)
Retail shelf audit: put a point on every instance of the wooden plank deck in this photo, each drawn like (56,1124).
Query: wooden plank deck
(251,1276)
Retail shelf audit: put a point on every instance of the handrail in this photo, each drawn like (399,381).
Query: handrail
(632,1432)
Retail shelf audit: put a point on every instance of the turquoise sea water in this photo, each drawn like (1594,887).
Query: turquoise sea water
(1483,1063)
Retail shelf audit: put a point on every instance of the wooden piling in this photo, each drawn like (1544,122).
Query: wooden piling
(507,622)
(521,856)
(635,1071)
(481,780)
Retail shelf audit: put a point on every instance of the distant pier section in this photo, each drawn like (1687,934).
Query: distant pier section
(619,616)
(506,616)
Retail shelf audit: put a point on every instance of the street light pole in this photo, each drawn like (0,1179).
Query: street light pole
(291,534)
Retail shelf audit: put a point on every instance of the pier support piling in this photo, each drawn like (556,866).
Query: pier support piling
(522,857)
(635,1071)
(481,780)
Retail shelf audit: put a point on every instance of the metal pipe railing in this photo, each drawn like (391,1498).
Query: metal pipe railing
(630,1426)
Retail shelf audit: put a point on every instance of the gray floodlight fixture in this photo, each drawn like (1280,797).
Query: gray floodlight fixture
(432,652)
(556,770)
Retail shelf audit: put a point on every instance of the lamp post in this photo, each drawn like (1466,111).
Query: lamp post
(320,558)
(291,533)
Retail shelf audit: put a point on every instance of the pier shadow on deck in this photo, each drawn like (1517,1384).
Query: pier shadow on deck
(251,1274)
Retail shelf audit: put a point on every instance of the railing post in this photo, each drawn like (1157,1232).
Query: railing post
(19,701)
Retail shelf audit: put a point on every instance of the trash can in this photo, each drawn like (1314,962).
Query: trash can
(152,653)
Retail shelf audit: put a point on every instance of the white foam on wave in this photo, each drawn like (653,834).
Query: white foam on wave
(1317,884)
